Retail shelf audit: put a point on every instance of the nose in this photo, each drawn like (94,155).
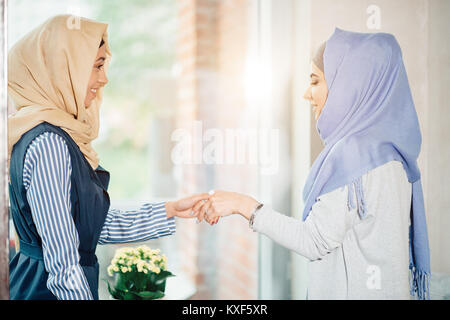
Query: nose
(307,94)
(103,79)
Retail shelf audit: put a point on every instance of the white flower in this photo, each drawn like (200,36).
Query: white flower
(156,270)
(110,271)
(144,258)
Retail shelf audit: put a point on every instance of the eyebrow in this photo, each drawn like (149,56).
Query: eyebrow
(101,58)
(313,74)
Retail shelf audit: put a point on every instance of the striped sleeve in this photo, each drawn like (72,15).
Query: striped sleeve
(46,177)
(149,222)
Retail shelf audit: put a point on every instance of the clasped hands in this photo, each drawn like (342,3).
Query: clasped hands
(212,206)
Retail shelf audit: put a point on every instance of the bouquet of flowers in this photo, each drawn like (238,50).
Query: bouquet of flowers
(141,274)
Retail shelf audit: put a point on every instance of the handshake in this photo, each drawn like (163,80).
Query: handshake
(211,206)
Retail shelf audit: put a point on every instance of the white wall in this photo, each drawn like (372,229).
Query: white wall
(437,135)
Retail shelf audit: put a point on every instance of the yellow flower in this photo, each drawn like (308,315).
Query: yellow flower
(116,269)
(124,269)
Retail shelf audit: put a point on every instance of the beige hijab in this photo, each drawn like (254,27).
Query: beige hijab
(48,75)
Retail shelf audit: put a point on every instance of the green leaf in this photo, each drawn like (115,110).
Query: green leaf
(139,281)
(113,293)
(150,295)
(162,276)
(129,296)
(122,282)
(139,286)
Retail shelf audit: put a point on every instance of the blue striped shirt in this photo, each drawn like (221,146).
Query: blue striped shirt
(46,177)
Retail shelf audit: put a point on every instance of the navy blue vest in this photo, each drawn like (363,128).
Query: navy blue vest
(90,205)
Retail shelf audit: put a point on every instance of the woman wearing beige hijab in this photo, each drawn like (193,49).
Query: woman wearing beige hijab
(58,190)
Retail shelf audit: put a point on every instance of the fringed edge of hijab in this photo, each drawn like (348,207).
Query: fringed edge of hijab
(419,280)
(356,185)
(419,283)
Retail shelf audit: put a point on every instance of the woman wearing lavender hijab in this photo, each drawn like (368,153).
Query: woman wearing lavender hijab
(363,228)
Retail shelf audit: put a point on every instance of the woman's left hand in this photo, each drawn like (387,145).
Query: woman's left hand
(183,208)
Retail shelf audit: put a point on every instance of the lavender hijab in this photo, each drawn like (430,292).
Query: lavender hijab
(369,119)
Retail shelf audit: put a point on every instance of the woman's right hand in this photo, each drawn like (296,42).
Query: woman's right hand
(223,203)
(183,208)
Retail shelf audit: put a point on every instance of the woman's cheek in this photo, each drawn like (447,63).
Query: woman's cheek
(313,94)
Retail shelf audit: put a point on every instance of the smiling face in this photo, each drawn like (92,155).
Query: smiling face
(317,91)
(98,77)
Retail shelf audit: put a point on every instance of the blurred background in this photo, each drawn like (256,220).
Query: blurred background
(211,69)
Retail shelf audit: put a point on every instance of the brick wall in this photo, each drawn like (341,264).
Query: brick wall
(211,52)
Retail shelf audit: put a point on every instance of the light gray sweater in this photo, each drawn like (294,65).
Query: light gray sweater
(350,257)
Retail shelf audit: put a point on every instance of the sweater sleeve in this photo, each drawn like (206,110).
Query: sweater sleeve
(322,231)
(46,177)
